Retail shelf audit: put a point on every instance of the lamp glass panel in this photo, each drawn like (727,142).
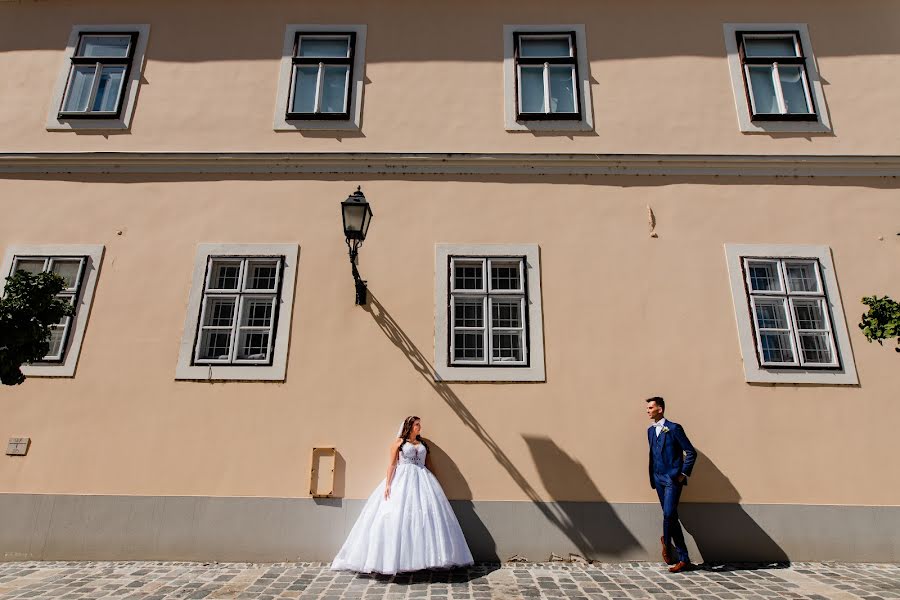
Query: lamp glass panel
(354,217)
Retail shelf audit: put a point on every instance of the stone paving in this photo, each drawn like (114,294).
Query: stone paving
(527,581)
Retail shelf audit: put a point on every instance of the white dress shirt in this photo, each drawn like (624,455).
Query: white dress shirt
(659,426)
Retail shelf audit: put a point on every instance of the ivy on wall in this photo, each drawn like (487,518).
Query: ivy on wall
(882,320)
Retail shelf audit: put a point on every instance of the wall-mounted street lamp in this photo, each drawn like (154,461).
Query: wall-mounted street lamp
(357,215)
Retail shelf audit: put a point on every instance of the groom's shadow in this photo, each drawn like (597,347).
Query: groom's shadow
(726,536)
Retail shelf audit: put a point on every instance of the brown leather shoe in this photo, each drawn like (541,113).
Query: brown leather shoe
(665,552)
(679,567)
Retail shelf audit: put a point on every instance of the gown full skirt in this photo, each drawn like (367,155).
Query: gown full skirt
(414,529)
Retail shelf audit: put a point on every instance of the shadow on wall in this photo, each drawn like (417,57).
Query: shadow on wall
(590,523)
(420,363)
(722,530)
(480,540)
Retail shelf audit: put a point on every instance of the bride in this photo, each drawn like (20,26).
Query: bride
(407,523)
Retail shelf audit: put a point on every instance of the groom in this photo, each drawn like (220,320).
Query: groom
(671,459)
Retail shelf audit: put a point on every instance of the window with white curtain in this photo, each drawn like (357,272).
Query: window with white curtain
(547,76)
(775,75)
(97,75)
(321,75)
(72,270)
(239,310)
(488,311)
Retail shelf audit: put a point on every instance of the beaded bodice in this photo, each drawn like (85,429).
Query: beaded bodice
(413,454)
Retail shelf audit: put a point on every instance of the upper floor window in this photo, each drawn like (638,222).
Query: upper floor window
(546,78)
(320,85)
(775,76)
(791,325)
(97,75)
(239,313)
(96,89)
(547,74)
(79,266)
(775,79)
(321,78)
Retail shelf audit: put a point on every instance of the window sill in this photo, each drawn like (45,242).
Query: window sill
(230,373)
(87,124)
(560,125)
(491,374)
(316,125)
(778,126)
(800,375)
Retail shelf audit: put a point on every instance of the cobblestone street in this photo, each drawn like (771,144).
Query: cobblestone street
(159,580)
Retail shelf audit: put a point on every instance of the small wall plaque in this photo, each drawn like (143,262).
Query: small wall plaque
(321,477)
(18,446)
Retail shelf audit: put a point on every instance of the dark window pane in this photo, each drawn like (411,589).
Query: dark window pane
(468,277)
(215,345)
(505,277)
(468,346)
(507,346)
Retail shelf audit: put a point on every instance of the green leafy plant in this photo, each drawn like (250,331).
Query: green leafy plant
(882,320)
(28,308)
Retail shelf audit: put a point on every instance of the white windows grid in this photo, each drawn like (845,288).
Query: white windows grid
(71,269)
(547,76)
(488,311)
(321,75)
(775,75)
(239,310)
(98,75)
(789,312)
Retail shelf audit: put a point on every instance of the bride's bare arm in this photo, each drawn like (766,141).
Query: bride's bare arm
(392,466)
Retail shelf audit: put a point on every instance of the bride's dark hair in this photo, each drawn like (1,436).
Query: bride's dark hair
(407,428)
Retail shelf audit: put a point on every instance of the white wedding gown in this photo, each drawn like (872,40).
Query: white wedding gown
(414,529)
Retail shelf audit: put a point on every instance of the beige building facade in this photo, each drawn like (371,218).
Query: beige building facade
(577,206)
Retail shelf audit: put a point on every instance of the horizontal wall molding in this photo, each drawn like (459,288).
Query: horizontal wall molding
(201,528)
(391,163)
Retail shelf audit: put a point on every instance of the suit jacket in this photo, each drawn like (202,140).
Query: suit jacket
(671,453)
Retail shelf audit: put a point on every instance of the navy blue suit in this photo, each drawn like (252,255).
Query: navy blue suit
(671,454)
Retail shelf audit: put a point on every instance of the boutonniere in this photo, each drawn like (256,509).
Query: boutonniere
(665,429)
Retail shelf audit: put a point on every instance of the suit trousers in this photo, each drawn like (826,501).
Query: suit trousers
(669,493)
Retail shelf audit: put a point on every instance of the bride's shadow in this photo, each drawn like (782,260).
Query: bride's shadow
(480,540)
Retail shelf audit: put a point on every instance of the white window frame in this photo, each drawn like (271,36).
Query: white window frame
(240,295)
(129,90)
(531,369)
(583,76)
(355,88)
(487,297)
(573,64)
(843,370)
(188,368)
(93,255)
(822,124)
